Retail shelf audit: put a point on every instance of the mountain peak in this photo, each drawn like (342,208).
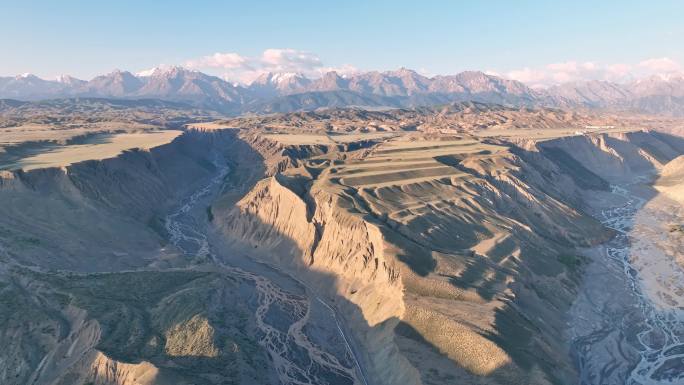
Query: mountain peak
(402,87)
(404,71)
(271,83)
(473,74)
(278,77)
(171,72)
(331,75)
(147,72)
(27,75)
(68,79)
(120,74)
(117,71)
(164,71)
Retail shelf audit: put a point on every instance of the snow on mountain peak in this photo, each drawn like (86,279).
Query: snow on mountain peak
(147,72)
(164,70)
(68,79)
(281,77)
(26,75)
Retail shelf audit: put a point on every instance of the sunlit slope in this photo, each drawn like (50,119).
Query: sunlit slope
(456,255)
(109,147)
(448,258)
(671,181)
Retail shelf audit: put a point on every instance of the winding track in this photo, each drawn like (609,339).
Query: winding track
(186,234)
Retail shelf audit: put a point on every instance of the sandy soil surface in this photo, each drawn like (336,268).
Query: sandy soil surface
(108,147)
(34,132)
(657,253)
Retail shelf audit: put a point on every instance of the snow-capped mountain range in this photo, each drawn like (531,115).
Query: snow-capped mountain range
(284,92)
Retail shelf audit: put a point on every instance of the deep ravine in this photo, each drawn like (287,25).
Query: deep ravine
(296,358)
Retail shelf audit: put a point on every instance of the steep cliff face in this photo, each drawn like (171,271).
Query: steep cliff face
(287,230)
(318,239)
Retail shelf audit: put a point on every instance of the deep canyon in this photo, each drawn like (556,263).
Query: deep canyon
(390,256)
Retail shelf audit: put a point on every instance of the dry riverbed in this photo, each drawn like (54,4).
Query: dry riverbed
(627,325)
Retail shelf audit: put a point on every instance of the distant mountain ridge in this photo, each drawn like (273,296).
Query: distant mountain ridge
(287,92)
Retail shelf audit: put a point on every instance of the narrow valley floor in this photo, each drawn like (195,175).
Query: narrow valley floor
(627,325)
(302,334)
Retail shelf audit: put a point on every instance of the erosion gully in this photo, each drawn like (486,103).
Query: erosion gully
(289,316)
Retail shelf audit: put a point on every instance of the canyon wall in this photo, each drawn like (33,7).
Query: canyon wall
(464,279)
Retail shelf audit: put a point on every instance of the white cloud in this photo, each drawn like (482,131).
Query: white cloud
(619,70)
(235,67)
(289,60)
(527,75)
(569,66)
(228,60)
(571,71)
(663,65)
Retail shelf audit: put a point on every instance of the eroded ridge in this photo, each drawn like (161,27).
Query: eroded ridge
(281,317)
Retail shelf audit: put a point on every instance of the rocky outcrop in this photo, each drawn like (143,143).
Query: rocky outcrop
(194,337)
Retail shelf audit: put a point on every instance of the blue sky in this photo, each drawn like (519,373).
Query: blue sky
(525,39)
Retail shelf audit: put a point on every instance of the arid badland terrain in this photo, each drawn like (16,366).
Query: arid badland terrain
(470,242)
